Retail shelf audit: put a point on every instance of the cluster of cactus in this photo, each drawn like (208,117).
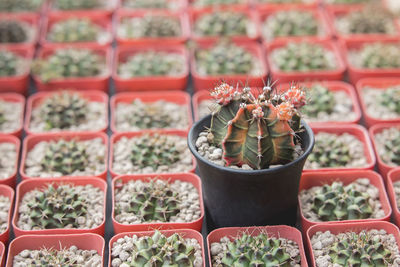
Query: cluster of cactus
(361,249)
(12,31)
(153,151)
(152,63)
(392,148)
(63,110)
(8,63)
(257,131)
(222,23)
(330,152)
(57,208)
(156,201)
(224,58)
(65,157)
(379,56)
(291,23)
(216,2)
(390,98)
(76,5)
(145,3)
(260,250)
(322,100)
(302,56)
(74,30)
(20,5)
(337,202)
(151,26)
(69,63)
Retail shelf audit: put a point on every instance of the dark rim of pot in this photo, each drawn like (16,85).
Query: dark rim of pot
(307,150)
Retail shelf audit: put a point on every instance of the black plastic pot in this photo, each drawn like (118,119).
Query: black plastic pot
(250,198)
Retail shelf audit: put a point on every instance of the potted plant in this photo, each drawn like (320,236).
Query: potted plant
(150,152)
(83,7)
(151,67)
(9,152)
(12,109)
(345,196)
(67,111)
(234,149)
(64,155)
(185,247)
(150,110)
(23,7)
(147,5)
(379,100)
(372,243)
(393,190)
(14,72)
(267,4)
(144,28)
(6,208)
(60,206)
(50,250)
(83,67)
(19,30)
(341,147)
(304,60)
(278,246)
(235,61)
(163,201)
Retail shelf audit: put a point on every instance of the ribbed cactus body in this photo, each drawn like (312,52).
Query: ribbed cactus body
(11,31)
(329,152)
(8,63)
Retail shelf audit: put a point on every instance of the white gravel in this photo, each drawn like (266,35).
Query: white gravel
(374,108)
(8,159)
(12,112)
(205,107)
(5,205)
(380,139)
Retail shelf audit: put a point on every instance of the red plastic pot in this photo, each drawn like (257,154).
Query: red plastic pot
(177,97)
(393,176)
(9,193)
(312,179)
(11,181)
(383,167)
(264,6)
(337,228)
(116,137)
(377,83)
(286,77)
(31,140)
(102,21)
(2,254)
(186,233)
(18,83)
(81,83)
(37,99)
(278,231)
(36,242)
(32,20)
(178,5)
(145,41)
(104,11)
(335,86)
(357,131)
(357,73)
(186,177)
(15,98)
(29,185)
(150,83)
(251,15)
(207,82)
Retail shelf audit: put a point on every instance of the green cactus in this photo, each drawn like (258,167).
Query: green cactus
(379,56)
(57,208)
(11,31)
(255,131)
(57,257)
(204,3)
(145,3)
(76,5)
(150,25)
(302,57)
(63,110)
(392,148)
(69,63)
(260,250)
(152,63)
(65,157)
(20,5)
(74,30)
(337,202)
(222,23)
(9,63)
(156,202)
(322,100)
(224,58)
(290,23)
(390,98)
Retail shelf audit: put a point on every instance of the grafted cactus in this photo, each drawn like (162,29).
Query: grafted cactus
(257,131)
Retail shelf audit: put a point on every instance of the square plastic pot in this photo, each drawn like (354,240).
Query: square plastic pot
(116,137)
(312,179)
(393,177)
(15,98)
(37,99)
(186,233)
(278,231)
(145,41)
(31,141)
(29,185)
(18,83)
(36,242)
(11,180)
(108,10)
(208,82)
(177,97)
(337,228)
(99,83)
(150,83)
(377,83)
(287,77)
(32,20)
(357,131)
(9,193)
(186,177)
